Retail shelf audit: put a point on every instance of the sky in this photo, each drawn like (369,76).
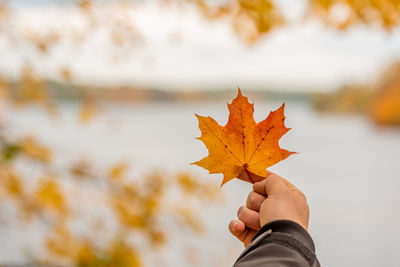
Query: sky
(182,50)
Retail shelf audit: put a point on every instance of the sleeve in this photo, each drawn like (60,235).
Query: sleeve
(279,243)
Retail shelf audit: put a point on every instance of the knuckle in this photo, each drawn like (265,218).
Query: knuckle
(252,199)
(273,177)
(240,211)
(255,185)
(284,190)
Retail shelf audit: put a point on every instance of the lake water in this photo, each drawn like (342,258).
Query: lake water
(348,169)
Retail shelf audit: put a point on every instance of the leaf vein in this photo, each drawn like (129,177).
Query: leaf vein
(259,144)
(225,145)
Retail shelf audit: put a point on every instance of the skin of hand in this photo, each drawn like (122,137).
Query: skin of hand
(272,198)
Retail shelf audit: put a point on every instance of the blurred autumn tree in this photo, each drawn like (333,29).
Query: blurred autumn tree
(343,14)
(252,19)
(348,99)
(381,102)
(142,210)
(385,108)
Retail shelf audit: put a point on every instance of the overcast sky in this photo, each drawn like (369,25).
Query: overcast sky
(184,51)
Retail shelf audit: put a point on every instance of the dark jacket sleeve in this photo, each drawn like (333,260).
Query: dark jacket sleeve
(279,243)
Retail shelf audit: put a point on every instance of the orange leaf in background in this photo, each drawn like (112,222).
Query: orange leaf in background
(243,146)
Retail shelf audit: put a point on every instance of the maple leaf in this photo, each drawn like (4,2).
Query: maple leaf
(243,146)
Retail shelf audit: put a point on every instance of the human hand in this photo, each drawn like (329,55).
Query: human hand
(273,198)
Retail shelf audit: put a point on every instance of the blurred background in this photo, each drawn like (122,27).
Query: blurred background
(97,126)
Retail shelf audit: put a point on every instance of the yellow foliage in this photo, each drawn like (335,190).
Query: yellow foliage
(117,172)
(250,18)
(32,89)
(88,110)
(381,103)
(262,14)
(347,100)
(61,243)
(120,254)
(3,84)
(3,12)
(10,182)
(155,184)
(139,208)
(32,149)
(81,169)
(187,183)
(85,5)
(50,196)
(386,106)
(191,186)
(14,188)
(43,42)
(134,209)
(157,237)
(82,252)
(66,74)
(345,13)
(186,216)
(129,214)
(86,257)
(386,109)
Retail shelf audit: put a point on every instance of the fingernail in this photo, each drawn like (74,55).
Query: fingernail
(234,224)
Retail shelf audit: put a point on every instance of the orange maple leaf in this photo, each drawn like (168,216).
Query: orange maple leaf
(243,146)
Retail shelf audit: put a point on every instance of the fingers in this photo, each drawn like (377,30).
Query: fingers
(249,217)
(254,201)
(244,234)
(273,183)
